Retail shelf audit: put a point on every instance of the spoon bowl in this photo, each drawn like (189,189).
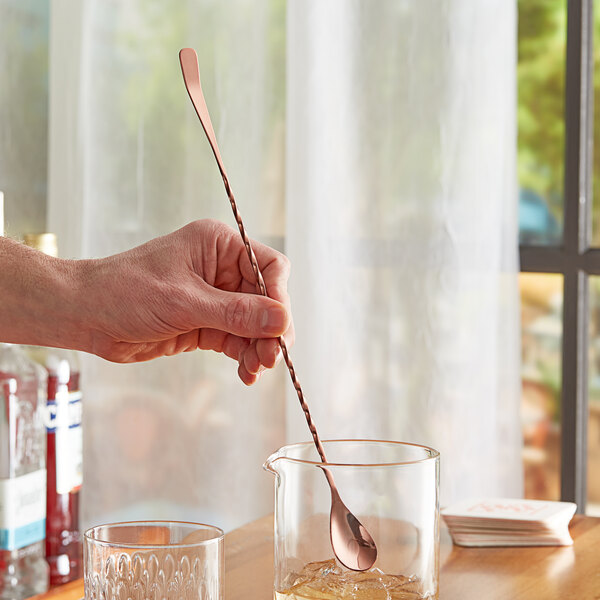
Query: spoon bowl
(353,545)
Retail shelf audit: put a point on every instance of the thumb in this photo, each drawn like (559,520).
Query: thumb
(246,315)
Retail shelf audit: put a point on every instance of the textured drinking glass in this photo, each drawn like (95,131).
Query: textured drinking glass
(153,560)
(393,489)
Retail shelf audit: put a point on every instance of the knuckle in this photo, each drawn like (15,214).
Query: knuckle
(195,227)
(239,314)
(283,263)
(211,224)
(203,227)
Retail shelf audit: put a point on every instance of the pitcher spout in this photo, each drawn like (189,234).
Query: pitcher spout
(273,461)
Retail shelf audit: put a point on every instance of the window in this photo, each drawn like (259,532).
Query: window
(559,250)
(559,235)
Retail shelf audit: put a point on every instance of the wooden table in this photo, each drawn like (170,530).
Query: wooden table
(541,573)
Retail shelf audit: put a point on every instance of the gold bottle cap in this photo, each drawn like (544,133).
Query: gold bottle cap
(44,242)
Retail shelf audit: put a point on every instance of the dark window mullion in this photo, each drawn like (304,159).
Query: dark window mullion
(544,259)
(578,140)
(574,389)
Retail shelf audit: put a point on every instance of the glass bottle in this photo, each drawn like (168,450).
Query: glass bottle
(64,463)
(64,449)
(23,570)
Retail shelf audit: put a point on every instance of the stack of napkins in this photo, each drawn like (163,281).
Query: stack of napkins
(503,522)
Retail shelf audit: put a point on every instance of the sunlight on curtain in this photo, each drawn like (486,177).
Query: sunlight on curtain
(178,438)
(398,212)
(401,204)
(23,113)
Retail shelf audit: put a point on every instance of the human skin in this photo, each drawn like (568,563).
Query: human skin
(191,289)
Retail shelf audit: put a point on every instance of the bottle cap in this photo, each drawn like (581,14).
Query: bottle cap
(44,242)
(64,372)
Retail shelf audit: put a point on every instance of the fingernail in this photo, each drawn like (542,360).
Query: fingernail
(273,320)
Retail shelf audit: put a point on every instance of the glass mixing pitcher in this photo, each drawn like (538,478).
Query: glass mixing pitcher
(393,489)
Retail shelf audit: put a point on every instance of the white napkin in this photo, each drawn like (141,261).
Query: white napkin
(509,522)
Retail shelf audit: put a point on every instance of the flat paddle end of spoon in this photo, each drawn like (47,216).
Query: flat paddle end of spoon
(188,59)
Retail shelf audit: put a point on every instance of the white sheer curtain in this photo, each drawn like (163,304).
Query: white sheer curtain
(178,438)
(23,113)
(402,228)
(394,124)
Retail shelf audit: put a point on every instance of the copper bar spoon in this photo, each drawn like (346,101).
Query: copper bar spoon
(351,542)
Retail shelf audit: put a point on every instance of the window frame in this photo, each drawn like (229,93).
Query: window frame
(575,259)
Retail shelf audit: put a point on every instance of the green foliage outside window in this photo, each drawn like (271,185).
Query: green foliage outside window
(540,113)
(541,89)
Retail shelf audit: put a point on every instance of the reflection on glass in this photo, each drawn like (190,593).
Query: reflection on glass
(593,481)
(541,84)
(541,322)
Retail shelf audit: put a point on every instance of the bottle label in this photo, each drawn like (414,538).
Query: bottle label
(64,419)
(22,510)
(73,415)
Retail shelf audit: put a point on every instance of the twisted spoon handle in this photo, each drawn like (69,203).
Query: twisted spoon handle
(191,76)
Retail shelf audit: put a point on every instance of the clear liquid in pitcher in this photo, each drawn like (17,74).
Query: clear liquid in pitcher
(326,580)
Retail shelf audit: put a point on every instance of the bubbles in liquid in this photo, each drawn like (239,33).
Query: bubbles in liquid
(326,580)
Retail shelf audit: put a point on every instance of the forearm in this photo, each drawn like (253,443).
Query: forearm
(41,298)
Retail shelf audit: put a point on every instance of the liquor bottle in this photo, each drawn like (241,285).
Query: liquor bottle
(64,449)
(23,570)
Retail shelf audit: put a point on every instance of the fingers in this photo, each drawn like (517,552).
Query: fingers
(275,269)
(274,266)
(253,357)
(127,352)
(244,315)
(258,356)
(261,354)
(247,378)
(269,352)
(231,345)
(225,307)
(276,274)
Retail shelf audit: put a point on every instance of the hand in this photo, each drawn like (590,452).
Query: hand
(193,288)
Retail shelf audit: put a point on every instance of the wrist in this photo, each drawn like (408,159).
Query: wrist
(75,316)
(91,306)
